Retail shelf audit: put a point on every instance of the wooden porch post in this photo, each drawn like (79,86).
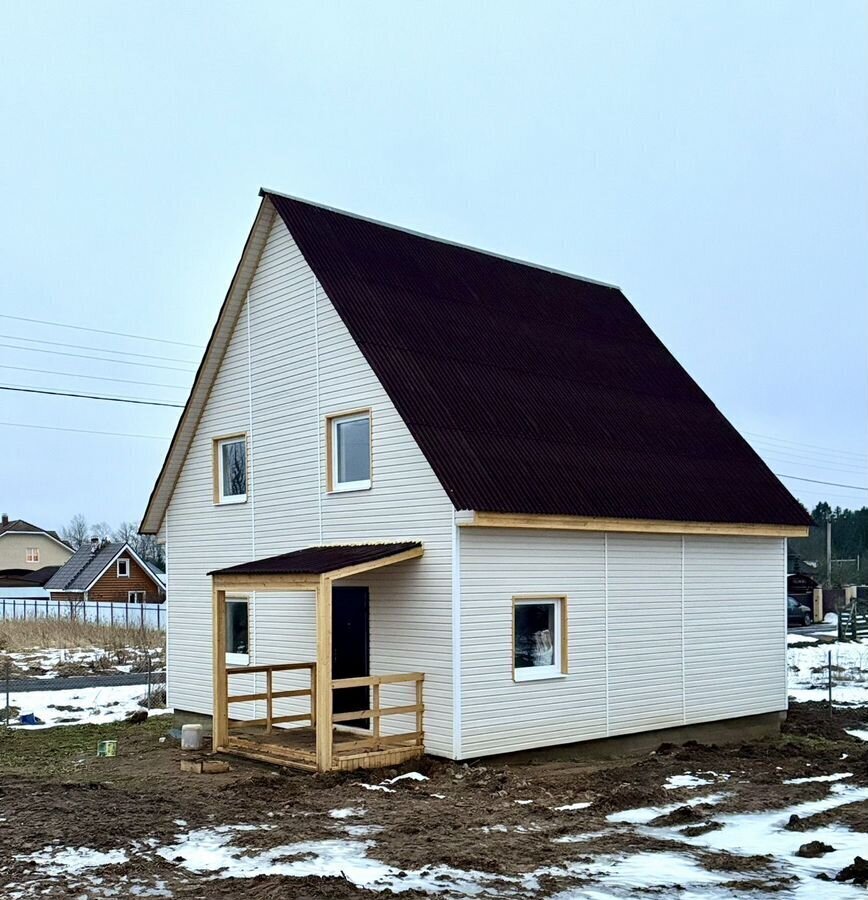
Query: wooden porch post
(324,675)
(220,715)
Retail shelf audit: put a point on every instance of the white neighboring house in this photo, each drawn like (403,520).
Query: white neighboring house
(402,457)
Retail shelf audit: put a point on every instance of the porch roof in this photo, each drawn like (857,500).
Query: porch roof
(335,559)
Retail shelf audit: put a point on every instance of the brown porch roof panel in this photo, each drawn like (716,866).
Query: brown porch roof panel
(319,560)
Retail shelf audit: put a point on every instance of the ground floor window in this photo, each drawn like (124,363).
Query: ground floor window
(539,637)
(237,631)
(136,596)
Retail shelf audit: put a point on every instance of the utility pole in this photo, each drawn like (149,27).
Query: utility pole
(829,552)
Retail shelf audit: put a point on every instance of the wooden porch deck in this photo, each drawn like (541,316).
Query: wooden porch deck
(264,740)
(296,747)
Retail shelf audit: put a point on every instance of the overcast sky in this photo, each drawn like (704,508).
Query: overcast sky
(709,158)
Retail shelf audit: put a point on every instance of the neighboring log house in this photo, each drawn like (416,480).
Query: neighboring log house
(106,571)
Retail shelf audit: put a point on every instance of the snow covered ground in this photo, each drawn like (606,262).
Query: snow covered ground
(78,706)
(49,663)
(232,852)
(808,672)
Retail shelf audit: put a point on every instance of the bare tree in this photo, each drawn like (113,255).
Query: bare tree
(76,532)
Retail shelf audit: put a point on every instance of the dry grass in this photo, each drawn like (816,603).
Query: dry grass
(63,634)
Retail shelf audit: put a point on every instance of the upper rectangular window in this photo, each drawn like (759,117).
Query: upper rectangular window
(349,440)
(237,631)
(32,554)
(123,568)
(539,637)
(230,469)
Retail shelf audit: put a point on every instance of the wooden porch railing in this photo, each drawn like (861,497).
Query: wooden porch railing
(271,695)
(377,711)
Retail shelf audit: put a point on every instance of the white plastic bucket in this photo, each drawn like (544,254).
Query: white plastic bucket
(191,737)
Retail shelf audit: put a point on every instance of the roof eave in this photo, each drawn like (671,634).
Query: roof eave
(221,334)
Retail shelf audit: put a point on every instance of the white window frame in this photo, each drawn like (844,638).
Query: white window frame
(131,599)
(559,667)
(332,422)
(126,563)
(220,498)
(238,659)
(32,554)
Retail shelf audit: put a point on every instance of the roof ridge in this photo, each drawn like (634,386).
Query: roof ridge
(266,192)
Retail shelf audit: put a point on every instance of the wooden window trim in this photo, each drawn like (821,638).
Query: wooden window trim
(118,562)
(216,443)
(331,476)
(561,601)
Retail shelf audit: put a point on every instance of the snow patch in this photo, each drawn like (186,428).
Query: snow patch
(837,777)
(646,813)
(91,706)
(73,860)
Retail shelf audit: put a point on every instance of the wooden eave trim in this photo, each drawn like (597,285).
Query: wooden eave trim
(348,571)
(633,526)
(206,374)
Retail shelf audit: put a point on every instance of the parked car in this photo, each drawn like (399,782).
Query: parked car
(798,614)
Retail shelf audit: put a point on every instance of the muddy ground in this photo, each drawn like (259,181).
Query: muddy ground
(499,819)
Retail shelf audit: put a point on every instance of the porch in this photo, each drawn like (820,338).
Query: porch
(383,722)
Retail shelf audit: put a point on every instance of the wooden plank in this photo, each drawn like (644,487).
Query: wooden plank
(359,568)
(635,526)
(410,737)
(324,758)
(281,667)
(367,680)
(220,711)
(376,714)
(420,709)
(313,695)
(375,711)
(265,757)
(238,724)
(301,583)
(276,695)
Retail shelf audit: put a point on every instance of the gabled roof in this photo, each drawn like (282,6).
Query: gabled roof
(529,391)
(86,566)
(19,526)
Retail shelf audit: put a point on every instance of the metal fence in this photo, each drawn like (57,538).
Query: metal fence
(105,612)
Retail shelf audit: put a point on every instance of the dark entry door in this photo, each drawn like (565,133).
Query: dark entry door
(350,639)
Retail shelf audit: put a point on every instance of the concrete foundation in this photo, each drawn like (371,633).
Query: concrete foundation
(725,731)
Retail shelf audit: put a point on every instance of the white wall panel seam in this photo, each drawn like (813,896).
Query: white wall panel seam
(606,618)
(456,639)
(319,437)
(683,656)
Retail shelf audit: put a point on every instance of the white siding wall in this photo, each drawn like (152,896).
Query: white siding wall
(632,600)
(281,400)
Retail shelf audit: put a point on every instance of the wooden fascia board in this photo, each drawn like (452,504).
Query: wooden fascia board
(349,571)
(631,526)
(206,374)
(244,583)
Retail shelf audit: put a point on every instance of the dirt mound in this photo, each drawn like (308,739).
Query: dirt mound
(814,849)
(684,815)
(627,795)
(857,872)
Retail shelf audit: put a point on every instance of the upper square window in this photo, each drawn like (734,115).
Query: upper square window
(349,439)
(32,554)
(123,568)
(230,469)
(539,638)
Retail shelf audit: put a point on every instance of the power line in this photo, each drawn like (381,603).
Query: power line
(15,337)
(801,444)
(138,337)
(137,400)
(858,470)
(121,362)
(812,457)
(176,387)
(854,487)
(153,437)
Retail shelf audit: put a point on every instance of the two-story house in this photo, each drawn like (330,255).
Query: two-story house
(425,496)
(24,546)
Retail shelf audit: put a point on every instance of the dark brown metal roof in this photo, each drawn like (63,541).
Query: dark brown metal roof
(318,560)
(532,391)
